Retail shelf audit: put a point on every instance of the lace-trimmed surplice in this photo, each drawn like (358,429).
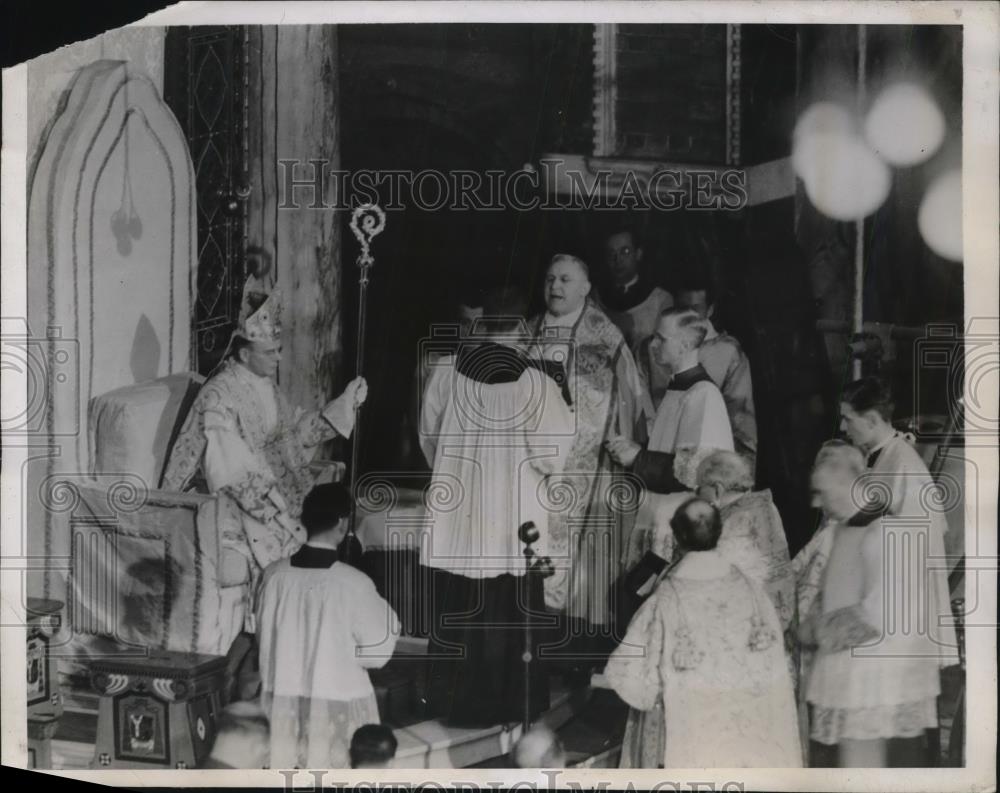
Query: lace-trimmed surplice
(320,630)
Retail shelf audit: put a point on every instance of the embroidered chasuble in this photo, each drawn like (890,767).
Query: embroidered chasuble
(705,658)
(690,424)
(254,451)
(753,539)
(585,530)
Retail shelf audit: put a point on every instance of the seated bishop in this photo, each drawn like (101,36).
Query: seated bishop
(253,448)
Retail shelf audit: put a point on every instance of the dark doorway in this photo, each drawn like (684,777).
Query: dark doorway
(447,98)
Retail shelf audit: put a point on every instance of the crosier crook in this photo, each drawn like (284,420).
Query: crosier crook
(367,222)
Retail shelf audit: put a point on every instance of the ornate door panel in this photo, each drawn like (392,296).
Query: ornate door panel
(667,93)
(205,86)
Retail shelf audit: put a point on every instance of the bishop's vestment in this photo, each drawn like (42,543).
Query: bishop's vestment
(586,530)
(253,450)
(705,651)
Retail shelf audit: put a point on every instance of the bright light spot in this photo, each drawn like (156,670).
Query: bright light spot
(940,216)
(843,178)
(822,118)
(904,125)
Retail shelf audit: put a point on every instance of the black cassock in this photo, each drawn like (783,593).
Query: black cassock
(476,669)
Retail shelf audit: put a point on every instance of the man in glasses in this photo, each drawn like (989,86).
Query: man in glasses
(631,300)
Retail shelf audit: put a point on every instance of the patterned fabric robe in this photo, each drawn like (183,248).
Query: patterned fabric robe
(754,539)
(254,451)
(585,530)
(705,654)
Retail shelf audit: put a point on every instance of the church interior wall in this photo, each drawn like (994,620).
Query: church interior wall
(481,97)
(475,97)
(294,99)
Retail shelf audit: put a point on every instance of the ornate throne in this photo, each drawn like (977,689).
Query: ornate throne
(148,567)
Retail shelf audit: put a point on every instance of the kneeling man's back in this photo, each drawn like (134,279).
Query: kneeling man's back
(321,624)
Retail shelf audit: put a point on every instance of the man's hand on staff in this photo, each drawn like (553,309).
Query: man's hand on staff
(622,450)
(342,411)
(357,391)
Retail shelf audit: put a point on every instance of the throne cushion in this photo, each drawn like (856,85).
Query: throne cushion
(132,428)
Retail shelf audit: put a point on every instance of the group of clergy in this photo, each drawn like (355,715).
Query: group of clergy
(739,657)
(609,439)
(622,426)
(632,388)
(571,421)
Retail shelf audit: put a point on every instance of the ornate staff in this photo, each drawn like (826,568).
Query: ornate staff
(367,221)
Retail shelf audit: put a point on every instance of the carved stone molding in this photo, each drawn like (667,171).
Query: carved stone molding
(734,68)
(605,90)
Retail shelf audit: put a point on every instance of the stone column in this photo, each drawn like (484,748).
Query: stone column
(293,81)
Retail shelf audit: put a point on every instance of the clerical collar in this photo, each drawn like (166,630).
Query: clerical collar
(318,556)
(876,451)
(493,364)
(565,321)
(627,297)
(682,381)
(321,544)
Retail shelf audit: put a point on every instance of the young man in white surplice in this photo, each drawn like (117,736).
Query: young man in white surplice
(690,423)
(320,625)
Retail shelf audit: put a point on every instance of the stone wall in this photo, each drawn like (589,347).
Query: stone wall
(294,96)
